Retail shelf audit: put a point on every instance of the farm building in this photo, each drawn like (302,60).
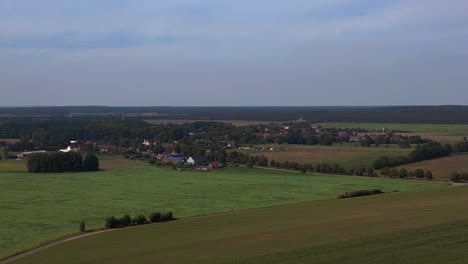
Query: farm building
(194,160)
(174,160)
(27,154)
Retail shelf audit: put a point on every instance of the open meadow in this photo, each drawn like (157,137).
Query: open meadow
(40,207)
(346,155)
(424,226)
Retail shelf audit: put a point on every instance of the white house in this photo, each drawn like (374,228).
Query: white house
(194,160)
(66,150)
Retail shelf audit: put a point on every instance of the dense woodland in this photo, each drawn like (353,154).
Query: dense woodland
(388,114)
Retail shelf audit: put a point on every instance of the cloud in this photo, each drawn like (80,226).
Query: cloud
(231,52)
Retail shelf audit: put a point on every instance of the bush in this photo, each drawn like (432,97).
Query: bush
(155,217)
(429,175)
(168,216)
(419,173)
(455,177)
(140,220)
(112,222)
(90,163)
(126,220)
(360,193)
(82,226)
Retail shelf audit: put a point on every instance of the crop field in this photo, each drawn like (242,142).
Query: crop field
(415,128)
(443,243)
(39,207)
(182,121)
(442,137)
(348,156)
(426,225)
(443,167)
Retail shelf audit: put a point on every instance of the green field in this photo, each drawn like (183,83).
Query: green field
(40,207)
(424,226)
(416,128)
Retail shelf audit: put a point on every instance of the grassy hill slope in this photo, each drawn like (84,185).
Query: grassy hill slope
(252,233)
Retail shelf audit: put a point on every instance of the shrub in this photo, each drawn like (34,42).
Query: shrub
(155,217)
(82,226)
(140,220)
(455,177)
(168,216)
(126,220)
(419,173)
(90,163)
(112,222)
(360,193)
(429,175)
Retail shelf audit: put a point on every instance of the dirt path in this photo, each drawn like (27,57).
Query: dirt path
(49,245)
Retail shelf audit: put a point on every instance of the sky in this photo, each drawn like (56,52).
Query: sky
(233,52)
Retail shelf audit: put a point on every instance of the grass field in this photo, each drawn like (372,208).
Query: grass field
(443,167)
(414,227)
(416,128)
(39,207)
(348,155)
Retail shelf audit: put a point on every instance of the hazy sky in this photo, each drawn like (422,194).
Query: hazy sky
(233,52)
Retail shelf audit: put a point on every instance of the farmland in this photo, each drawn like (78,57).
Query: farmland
(415,128)
(410,226)
(63,200)
(442,167)
(347,155)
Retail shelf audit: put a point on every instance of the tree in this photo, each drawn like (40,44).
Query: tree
(82,226)
(168,216)
(419,173)
(393,173)
(140,220)
(455,177)
(126,220)
(112,222)
(90,163)
(429,175)
(403,173)
(464,176)
(155,217)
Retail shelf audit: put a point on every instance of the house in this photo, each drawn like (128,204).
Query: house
(215,165)
(174,160)
(342,134)
(27,154)
(69,149)
(194,160)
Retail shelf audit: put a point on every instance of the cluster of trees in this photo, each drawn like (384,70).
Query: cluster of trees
(236,157)
(404,173)
(126,220)
(459,177)
(326,168)
(359,193)
(427,151)
(62,162)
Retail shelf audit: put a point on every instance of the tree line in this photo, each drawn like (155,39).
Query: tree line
(62,162)
(427,151)
(126,220)
(236,158)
